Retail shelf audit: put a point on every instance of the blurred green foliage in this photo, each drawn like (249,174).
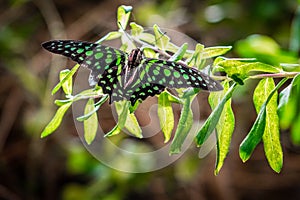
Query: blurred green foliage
(252,27)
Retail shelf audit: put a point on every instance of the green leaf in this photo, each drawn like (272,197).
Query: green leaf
(161,39)
(62,102)
(213,118)
(68,84)
(225,126)
(240,68)
(56,120)
(147,37)
(174,99)
(265,49)
(90,124)
(180,53)
(150,53)
(115,131)
(288,107)
(96,108)
(196,58)
(126,119)
(185,124)
(136,30)
(123,15)
(110,36)
(165,115)
(211,52)
(254,136)
(271,135)
(66,78)
(132,125)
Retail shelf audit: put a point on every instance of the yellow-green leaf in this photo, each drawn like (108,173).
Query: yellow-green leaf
(185,124)
(123,15)
(271,135)
(110,36)
(67,77)
(289,103)
(90,124)
(225,126)
(165,115)
(213,118)
(67,84)
(255,135)
(178,55)
(211,52)
(127,120)
(161,39)
(56,120)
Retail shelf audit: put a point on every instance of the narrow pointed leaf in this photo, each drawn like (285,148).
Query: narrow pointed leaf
(161,39)
(289,107)
(185,124)
(114,131)
(180,53)
(56,120)
(62,102)
(225,126)
(110,36)
(165,115)
(211,52)
(90,125)
(66,78)
(126,119)
(271,135)
(255,135)
(96,108)
(67,85)
(123,15)
(196,58)
(213,118)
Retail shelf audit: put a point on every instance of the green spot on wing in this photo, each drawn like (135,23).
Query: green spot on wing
(80,50)
(108,60)
(167,72)
(155,72)
(176,74)
(185,76)
(98,55)
(89,53)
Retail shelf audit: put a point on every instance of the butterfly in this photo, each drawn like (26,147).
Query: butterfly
(130,76)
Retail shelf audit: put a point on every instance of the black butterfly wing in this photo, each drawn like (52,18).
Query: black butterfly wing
(98,58)
(155,75)
(177,75)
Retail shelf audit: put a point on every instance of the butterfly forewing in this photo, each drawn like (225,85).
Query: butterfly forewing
(96,57)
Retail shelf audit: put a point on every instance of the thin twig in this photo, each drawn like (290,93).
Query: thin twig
(9,114)
(277,75)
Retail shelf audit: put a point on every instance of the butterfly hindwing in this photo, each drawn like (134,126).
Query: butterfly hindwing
(175,75)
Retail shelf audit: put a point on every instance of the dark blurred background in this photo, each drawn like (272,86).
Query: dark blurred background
(59,167)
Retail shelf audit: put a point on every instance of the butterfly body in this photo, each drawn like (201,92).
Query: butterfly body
(130,76)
